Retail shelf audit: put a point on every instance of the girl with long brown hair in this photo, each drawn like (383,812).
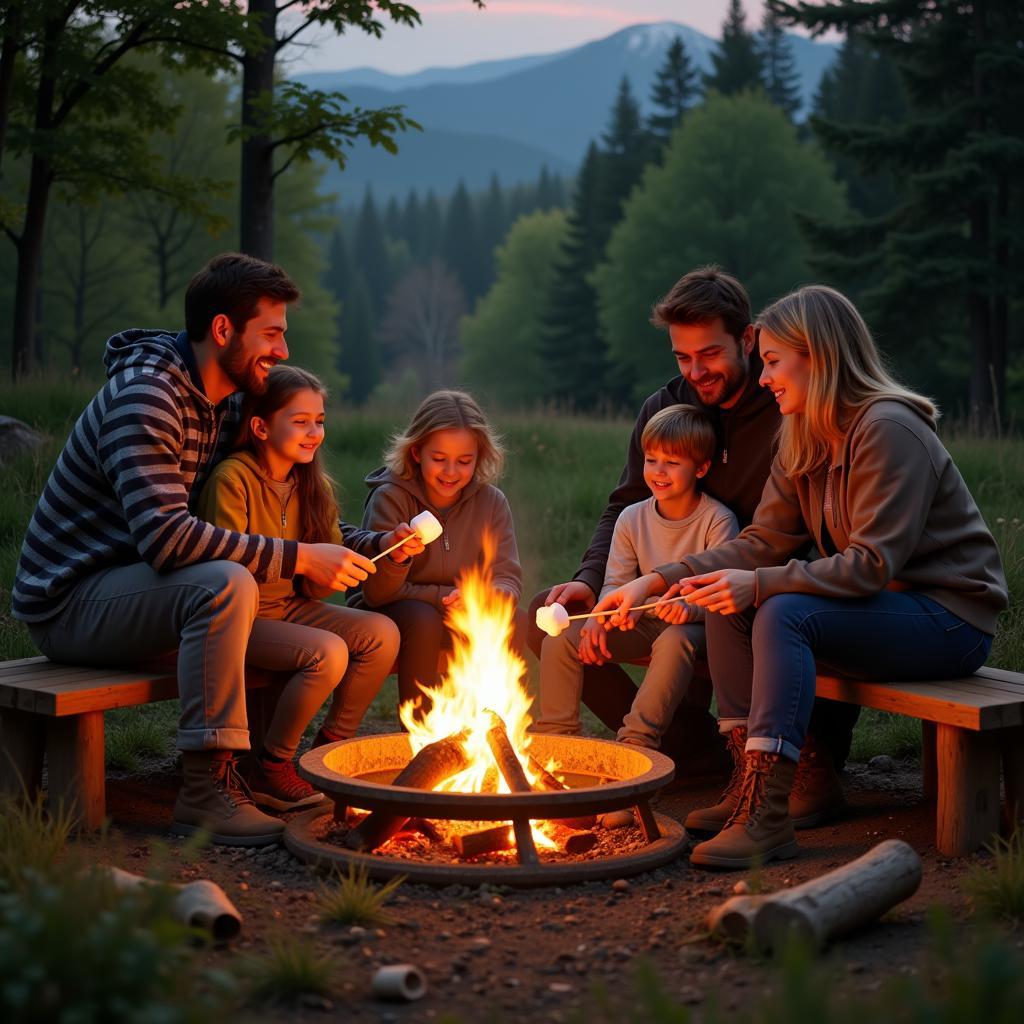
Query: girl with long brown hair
(275,485)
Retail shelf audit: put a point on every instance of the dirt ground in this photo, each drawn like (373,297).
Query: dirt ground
(497,954)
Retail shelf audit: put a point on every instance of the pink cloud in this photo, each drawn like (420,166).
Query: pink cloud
(527,8)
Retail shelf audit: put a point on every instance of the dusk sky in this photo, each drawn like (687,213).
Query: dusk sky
(454,32)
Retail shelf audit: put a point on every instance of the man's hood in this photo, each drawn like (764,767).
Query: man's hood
(146,351)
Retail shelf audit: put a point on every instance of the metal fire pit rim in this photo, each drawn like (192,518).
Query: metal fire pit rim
(487,806)
(299,839)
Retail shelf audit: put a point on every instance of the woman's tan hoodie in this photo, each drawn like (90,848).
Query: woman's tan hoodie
(431,576)
(901,514)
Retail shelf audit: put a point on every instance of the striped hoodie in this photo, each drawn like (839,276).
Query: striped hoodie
(123,485)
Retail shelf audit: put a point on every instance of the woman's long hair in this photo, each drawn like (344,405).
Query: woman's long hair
(314,485)
(846,372)
(447,410)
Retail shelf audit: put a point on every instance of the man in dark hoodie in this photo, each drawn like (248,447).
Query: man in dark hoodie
(708,319)
(115,569)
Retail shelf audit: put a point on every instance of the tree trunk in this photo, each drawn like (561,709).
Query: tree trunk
(256,212)
(8,56)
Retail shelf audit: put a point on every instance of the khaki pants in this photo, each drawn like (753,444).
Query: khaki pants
(672,650)
(327,648)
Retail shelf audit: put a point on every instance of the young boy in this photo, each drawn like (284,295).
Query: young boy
(675,521)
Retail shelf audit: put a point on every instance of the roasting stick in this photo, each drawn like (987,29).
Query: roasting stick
(426,526)
(554,619)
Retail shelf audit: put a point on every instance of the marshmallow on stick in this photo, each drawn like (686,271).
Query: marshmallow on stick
(554,619)
(427,528)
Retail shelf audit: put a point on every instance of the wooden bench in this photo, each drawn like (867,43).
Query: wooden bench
(58,710)
(970,728)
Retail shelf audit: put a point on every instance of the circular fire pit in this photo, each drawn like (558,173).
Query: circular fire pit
(600,775)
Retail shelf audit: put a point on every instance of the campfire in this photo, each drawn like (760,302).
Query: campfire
(469,787)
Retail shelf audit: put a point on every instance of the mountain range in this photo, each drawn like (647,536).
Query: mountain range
(512,117)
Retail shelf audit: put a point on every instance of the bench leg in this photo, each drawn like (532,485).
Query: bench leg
(1012,748)
(75,766)
(929,767)
(22,742)
(968,776)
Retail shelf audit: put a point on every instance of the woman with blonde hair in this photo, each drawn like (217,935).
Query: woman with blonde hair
(908,585)
(446,461)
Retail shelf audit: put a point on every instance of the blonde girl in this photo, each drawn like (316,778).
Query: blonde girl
(446,460)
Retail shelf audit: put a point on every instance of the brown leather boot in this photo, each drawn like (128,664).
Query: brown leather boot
(817,795)
(213,798)
(713,819)
(759,830)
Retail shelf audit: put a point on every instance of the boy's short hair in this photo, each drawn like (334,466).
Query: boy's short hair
(233,283)
(702,295)
(681,430)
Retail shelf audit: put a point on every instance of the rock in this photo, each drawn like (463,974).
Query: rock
(620,885)
(560,987)
(16,438)
(882,763)
(742,888)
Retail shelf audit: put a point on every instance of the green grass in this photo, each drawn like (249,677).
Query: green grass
(997,891)
(290,968)
(560,470)
(32,839)
(353,899)
(879,732)
(135,734)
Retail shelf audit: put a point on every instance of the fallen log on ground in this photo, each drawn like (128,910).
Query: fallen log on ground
(436,762)
(825,907)
(201,904)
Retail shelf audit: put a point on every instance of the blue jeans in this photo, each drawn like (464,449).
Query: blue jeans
(763,664)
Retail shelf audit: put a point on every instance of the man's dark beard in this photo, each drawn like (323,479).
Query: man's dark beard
(241,370)
(733,385)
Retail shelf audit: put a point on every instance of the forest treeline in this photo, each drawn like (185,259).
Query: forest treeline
(903,188)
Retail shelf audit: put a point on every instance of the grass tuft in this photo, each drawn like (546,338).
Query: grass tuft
(290,968)
(879,732)
(136,734)
(31,838)
(354,899)
(997,892)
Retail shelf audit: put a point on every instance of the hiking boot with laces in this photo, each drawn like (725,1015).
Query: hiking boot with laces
(817,795)
(276,784)
(760,829)
(713,819)
(213,798)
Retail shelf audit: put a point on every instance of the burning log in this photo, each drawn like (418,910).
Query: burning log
(572,840)
(818,910)
(484,840)
(431,766)
(547,782)
(517,782)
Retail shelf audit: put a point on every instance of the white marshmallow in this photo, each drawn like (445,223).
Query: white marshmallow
(426,526)
(553,619)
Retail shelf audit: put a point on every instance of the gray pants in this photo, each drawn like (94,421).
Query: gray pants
(131,614)
(672,650)
(327,648)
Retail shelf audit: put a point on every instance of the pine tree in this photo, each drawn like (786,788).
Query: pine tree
(393,219)
(545,190)
(371,254)
(460,244)
(779,72)
(493,225)
(949,247)
(571,347)
(675,88)
(359,357)
(338,273)
(412,223)
(627,149)
(736,64)
(431,226)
